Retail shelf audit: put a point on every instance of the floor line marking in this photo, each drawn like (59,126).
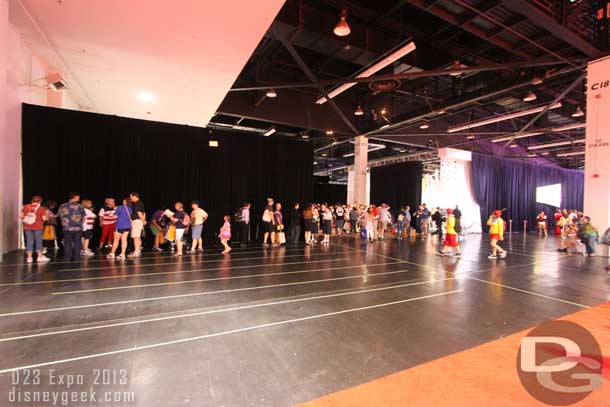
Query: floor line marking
(139,275)
(168,297)
(529,292)
(279,274)
(208,312)
(113,266)
(166,254)
(224,333)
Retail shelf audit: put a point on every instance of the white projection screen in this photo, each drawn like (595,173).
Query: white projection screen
(549,195)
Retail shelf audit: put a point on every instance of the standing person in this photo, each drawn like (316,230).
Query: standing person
(589,235)
(425,222)
(122,229)
(308,223)
(244,224)
(157,228)
(451,236)
(278,223)
(268,222)
(295,223)
(49,234)
(33,217)
(438,220)
(458,219)
(340,218)
(369,224)
(107,219)
(327,222)
(180,221)
(316,223)
(384,219)
(418,220)
(400,224)
(408,220)
(496,233)
(556,221)
(353,218)
(88,227)
(541,220)
(72,216)
(225,234)
(198,217)
(138,216)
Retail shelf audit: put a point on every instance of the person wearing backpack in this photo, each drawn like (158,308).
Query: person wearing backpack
(33,217)
(198,217)
(339,218)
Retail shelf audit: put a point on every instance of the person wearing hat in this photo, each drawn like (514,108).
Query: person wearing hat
(496,233)
(451,238)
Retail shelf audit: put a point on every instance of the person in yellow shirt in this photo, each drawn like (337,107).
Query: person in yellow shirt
(451,236)
(496,233)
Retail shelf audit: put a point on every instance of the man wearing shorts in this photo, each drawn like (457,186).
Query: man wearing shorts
(451,237)
(198,216)
(138,220)
(496,233)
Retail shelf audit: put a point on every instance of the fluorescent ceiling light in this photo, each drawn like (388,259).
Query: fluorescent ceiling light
(372,147)
(457,65)
(570,127)
(531,134)
(570,154)
(146,96)
(269,132)
(410,47)
(424,125)
(530,97)
(497,119)
(523,135)
(213,143)
(271,93)
(578,112)
(557,144)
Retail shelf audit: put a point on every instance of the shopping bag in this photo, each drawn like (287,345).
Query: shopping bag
(281,238)
(48,233)
(171,233)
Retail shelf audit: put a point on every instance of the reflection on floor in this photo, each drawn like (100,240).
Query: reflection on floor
(275,326)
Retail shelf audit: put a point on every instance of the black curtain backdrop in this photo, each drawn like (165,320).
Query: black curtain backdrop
(99,156)
(330,193)
(397,185)
(507,183)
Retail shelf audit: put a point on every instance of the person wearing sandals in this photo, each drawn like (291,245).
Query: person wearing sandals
(33,217)
(122,230)
(198,217)
(225,234)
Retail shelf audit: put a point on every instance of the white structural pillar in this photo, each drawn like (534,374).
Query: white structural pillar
(597,150)
(3,112)
(358,178)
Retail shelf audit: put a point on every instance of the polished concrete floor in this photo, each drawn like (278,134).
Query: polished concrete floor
(272,326)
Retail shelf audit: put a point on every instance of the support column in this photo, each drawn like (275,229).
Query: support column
(3,111)
(597,150)
(358,190)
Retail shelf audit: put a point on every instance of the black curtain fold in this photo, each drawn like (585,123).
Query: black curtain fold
(100,155)
(507,183)
(397,185)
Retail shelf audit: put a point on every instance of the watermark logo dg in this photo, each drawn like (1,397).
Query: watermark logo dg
(560,363)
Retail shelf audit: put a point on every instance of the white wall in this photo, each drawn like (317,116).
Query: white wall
(18,68)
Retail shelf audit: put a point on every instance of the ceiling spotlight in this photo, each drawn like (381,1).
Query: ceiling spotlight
(471,137)
(457,65)
(271,93)
(329,132)
(424,125)
(538,80)
(578,112)
(342,28)
(530,97)
(269,132)
(383,111)
(359,111)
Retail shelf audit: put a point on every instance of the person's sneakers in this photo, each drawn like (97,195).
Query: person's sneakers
(492,257)
(29,260)
(42,259)
(110,256)
(133,255)
(120,257)
(503,254)
(87,253)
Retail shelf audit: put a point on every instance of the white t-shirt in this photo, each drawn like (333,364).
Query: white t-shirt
(89,219)
(198,216)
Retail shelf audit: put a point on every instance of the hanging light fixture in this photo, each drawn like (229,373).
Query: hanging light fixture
(471,137)
(424,125)
(342,28)
(457,65)
(271,93)
(383,111)
(578,112)
(359,111)
(530,97)
(514,145)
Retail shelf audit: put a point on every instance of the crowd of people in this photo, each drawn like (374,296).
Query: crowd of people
(127,222)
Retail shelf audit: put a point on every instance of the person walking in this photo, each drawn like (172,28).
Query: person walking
(451,236)
(138,217)
(244,224)
(496,233)
(33,217)
(295,223)
(122,229)
(198,217)
(72,216)
(589,235)
(107,219)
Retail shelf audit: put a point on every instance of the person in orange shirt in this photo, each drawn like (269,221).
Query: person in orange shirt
(496,233)
(451,236)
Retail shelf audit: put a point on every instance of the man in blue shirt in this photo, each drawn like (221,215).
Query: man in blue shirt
(72,216)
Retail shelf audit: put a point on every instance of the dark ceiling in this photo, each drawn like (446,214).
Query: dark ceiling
(510,47)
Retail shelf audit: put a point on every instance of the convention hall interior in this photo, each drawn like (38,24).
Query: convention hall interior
(304,203)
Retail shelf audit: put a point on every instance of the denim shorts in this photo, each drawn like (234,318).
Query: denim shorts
(196,231)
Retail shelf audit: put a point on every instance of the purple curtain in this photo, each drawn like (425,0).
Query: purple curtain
(508,183)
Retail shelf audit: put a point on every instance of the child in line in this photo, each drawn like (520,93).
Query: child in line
(225,234)
(88,227)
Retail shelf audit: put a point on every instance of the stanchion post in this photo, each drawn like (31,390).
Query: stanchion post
(510,226)
(525,227)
